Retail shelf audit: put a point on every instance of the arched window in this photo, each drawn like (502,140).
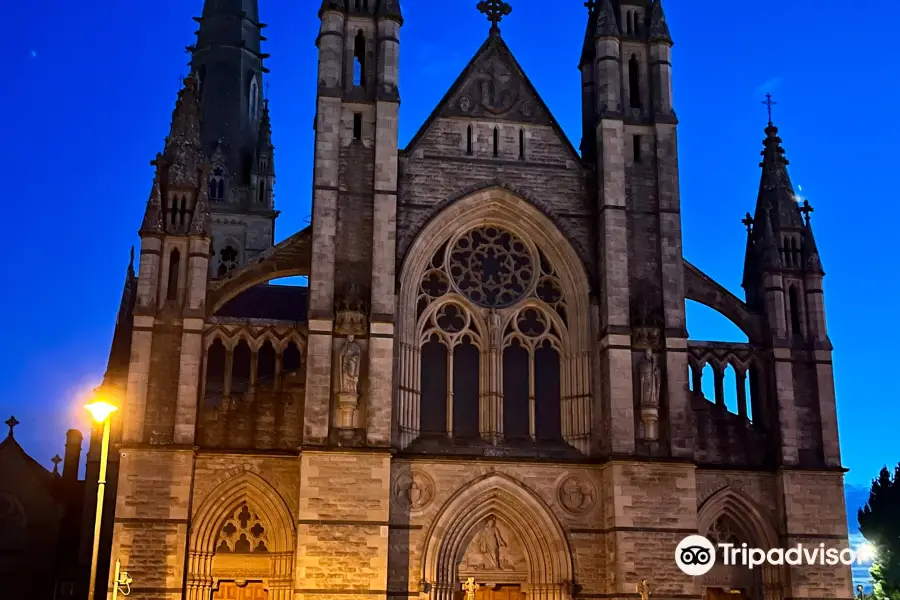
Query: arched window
(216,188)
(507,315)
(241,367)
(228,260)
(216,358)
(469,140)
(254,99)
(359,59)
(634,82)
(521,144)
(794,305)
(174,265)
(496,141)
(263,191)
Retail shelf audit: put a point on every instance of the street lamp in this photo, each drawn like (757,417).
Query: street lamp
(101,411)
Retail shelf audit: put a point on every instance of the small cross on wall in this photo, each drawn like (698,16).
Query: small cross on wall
(495,11)
(11,423)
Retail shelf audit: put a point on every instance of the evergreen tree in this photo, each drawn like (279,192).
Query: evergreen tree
(879,522)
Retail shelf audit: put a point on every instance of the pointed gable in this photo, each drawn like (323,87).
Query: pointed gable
(494,86)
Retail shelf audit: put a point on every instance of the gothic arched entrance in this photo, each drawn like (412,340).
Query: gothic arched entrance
(500,537)
(729,518)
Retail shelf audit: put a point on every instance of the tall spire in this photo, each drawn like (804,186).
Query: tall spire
(228,60)
(776,192)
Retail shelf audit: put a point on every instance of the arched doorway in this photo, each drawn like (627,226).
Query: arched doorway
(241,543)
(728,517)
(501,539)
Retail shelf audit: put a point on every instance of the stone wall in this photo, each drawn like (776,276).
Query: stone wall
(437,170)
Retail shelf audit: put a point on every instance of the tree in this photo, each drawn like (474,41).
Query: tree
(879,522)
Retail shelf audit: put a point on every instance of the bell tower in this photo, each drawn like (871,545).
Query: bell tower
(630,132)
(354,217)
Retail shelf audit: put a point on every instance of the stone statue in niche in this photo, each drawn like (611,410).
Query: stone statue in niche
(351,354)
(348,385)
(650,375)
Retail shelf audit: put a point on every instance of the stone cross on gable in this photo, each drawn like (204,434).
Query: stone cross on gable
(805,209)
(591,5)
(56,460)
(495,11)
(769,104)
(748,222)
(11,423)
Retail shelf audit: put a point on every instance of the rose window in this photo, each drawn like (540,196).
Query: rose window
(491,267)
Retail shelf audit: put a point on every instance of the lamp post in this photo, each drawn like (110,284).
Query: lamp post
(101,411)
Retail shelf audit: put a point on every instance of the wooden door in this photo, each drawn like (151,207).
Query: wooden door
(229,590)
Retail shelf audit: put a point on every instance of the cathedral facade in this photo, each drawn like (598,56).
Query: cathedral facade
(487,387)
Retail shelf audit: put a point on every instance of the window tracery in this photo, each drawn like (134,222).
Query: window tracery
(216,188)
(491,267)
(492,323)
(243,533)
(228,260)
(722,532)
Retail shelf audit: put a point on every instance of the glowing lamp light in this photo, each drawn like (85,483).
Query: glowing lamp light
(100,410)
(866,552)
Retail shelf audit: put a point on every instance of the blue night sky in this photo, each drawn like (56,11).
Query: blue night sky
(90,86)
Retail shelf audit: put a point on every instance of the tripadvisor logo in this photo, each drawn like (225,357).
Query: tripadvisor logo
(695,555)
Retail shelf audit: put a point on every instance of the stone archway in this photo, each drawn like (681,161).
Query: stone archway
(728,515)
(243,533)
(498,532)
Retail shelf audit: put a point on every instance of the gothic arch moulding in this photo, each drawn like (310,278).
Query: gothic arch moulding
(290,258)
(498,501)
(728,516)
(754,523)
(406,238)
(243,531)
(538,275)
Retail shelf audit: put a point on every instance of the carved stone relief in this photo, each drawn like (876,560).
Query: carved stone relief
(413,490)
(495,89)
(493,553)
(576,495)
